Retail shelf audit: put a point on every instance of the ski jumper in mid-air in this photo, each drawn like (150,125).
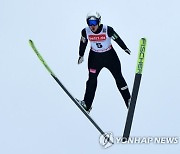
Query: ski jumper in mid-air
(101,55)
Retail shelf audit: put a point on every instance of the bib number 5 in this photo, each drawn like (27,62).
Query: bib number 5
(99,45)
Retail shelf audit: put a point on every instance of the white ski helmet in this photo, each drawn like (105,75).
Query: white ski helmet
(93,15)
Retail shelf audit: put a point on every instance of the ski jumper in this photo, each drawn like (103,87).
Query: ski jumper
(101,55)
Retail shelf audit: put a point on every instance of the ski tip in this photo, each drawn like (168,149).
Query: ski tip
(143,38)
(30,41)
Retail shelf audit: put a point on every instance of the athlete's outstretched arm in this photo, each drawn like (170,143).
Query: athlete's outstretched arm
(117,39)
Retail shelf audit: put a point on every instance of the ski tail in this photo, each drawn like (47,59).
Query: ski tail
(63,87)
(136,86)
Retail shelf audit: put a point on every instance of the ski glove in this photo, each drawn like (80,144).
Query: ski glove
(128,51)
(80,60)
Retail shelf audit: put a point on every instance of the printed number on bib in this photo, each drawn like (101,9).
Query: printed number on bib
(99,45)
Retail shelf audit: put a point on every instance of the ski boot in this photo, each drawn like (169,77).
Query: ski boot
(83,105)
(128,103)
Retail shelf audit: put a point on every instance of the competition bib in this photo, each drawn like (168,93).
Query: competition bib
(99,42)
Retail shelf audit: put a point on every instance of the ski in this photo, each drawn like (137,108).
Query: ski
(136,86)
(63,87)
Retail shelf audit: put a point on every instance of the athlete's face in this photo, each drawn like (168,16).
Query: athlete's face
(94,28)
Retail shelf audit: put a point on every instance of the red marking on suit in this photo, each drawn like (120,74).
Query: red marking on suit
(92,70)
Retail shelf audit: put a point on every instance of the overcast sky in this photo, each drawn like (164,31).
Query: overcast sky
(37,117)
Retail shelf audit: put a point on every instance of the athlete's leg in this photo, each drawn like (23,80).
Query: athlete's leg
(114,67)
(94,67)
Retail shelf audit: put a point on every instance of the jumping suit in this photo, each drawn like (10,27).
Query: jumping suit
(101,55)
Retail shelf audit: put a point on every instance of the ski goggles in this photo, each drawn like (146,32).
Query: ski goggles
(92,22)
